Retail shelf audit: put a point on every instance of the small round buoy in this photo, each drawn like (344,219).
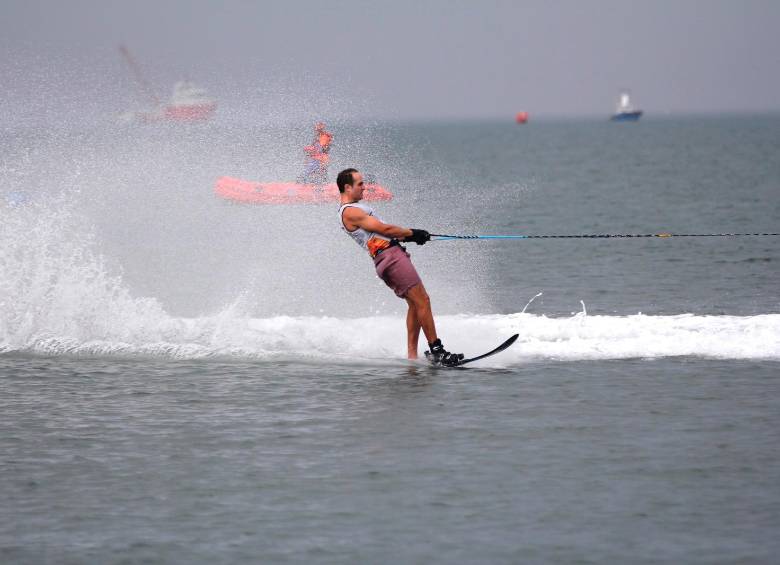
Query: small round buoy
(521,117)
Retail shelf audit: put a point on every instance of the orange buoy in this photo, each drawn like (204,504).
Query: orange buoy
(521,117)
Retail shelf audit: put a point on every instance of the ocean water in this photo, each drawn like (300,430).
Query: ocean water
(187,380)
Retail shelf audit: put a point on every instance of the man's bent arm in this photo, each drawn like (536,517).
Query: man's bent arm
(369,223)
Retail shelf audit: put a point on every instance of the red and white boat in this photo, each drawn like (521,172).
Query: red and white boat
(250,192)
(188,103)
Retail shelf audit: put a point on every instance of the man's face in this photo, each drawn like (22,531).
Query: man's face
(356,186)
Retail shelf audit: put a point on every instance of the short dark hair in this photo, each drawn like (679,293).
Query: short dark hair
(345,178)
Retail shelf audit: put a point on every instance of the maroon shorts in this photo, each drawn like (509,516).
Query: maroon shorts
(394,266)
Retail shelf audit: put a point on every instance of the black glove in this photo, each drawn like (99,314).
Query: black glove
(419,237)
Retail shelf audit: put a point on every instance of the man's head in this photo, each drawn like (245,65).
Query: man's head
(319,126)
(350,181)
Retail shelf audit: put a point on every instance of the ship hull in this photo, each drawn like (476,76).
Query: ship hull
(190,112)
(627,116)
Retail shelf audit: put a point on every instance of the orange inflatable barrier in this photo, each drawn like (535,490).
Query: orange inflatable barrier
(250,192)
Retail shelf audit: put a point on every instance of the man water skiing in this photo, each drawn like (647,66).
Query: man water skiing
(316,170)
(393,264)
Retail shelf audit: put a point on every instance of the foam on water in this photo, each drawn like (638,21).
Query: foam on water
(57,297)
(382,338)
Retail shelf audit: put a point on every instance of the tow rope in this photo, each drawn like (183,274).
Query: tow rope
(445,237)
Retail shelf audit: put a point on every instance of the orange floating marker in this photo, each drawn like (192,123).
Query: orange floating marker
(521,117)
(251,192)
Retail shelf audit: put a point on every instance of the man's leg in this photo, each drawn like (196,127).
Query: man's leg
(420,316)
(412,333)
(311,167)
(319,177)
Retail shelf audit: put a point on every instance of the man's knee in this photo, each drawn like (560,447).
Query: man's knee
(418,296)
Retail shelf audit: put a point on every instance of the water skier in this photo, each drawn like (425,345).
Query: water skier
(393,264)
(316,170)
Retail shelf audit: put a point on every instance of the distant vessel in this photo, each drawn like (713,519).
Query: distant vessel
(250,192)
(188,103)
(625,111)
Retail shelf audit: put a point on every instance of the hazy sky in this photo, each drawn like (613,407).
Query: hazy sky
(400,59)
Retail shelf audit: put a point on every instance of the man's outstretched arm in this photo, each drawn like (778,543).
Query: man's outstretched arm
(357,218)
